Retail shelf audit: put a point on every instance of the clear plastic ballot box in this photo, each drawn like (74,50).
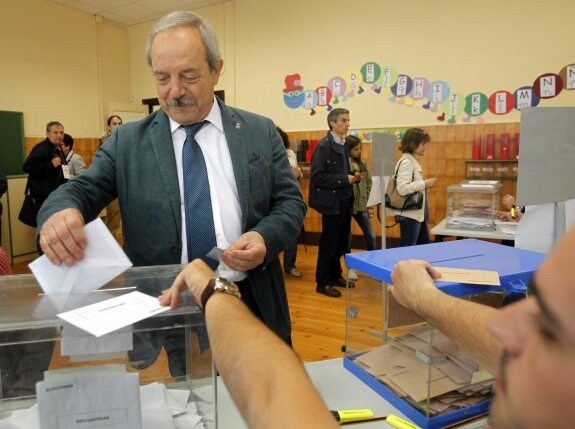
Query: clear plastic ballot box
(472,204)
(169,351)
(411,365)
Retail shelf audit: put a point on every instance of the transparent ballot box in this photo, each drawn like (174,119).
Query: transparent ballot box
(471,205)
(411,365)
(163,363)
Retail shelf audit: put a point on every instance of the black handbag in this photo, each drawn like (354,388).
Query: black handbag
(394,200)
(30,208)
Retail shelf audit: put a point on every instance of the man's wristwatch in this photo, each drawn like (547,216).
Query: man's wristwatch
(219,284)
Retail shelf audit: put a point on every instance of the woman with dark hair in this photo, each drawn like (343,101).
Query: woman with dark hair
(290,250)
(75,162)
(113,216)
(361,191)
(412,223)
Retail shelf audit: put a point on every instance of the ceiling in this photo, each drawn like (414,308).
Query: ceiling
(131,12)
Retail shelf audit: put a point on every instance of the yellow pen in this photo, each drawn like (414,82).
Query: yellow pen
(345,416)
(399,423)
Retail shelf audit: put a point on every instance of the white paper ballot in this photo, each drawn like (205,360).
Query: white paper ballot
(90,400)
(103,260)
(108,316)
(76,343)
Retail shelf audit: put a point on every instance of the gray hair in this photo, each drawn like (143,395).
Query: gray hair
(51,124)
(187,19)
(334,114)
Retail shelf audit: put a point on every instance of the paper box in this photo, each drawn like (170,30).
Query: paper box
(472,205)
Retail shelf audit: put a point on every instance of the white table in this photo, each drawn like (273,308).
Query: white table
(441,230)
(339,388)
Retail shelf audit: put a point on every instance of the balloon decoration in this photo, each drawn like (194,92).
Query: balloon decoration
(337,87)
(371,73)
(417,92)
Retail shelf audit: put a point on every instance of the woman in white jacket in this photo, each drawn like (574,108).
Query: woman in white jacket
(412,223)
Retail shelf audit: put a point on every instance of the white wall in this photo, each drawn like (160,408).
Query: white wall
(486,46)
(59,64)
(50,66)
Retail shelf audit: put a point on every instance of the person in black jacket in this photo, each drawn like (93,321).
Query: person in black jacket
(44,164)
(3,188)
(331,194)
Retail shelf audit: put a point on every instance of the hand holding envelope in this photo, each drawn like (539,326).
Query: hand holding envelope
(103,260)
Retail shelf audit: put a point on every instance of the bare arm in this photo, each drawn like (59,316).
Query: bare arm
(463,321)
(264,376)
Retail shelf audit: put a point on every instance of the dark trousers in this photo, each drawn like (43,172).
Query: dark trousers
(23,363)
(412,232)
(362,219)
(333,244)
(290,254)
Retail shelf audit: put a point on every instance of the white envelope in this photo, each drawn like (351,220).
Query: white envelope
(103,260)
(81,399)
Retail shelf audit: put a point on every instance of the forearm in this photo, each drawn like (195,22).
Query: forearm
(465,322)
(264,376)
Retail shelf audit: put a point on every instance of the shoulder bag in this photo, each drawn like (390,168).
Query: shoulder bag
(394,200)
(30,208)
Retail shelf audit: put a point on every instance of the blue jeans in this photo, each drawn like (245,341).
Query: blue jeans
(412,232)
(362,219)
(290,253)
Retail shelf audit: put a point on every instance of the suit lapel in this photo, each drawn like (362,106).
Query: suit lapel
(163,149)
(238,145)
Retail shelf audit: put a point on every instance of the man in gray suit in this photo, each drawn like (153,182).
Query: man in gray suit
(256,203)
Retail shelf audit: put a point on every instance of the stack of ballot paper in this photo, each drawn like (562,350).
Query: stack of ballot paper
(89,397)
(472,223)
(403,366)
(108,396)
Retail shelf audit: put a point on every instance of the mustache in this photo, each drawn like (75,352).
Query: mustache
(181,101)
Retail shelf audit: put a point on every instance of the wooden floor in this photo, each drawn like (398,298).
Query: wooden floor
(318,321)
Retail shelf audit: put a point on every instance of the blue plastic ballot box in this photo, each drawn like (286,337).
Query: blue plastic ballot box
(368,306)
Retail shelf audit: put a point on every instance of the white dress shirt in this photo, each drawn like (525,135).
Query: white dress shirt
(223,189)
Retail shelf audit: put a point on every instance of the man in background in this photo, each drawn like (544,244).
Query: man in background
(331,194)
(44,164)
(3,189)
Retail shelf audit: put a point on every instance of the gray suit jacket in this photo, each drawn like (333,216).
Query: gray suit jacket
(137,164)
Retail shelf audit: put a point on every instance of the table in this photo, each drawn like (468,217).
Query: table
(339,388)
(441,230)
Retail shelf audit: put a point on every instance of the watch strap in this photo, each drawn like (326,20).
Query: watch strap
(207,293)
(219,284)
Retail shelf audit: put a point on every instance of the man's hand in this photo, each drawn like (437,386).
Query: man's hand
(246,253)
(413,279)
(194,277)
(62,237)
(56,162)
